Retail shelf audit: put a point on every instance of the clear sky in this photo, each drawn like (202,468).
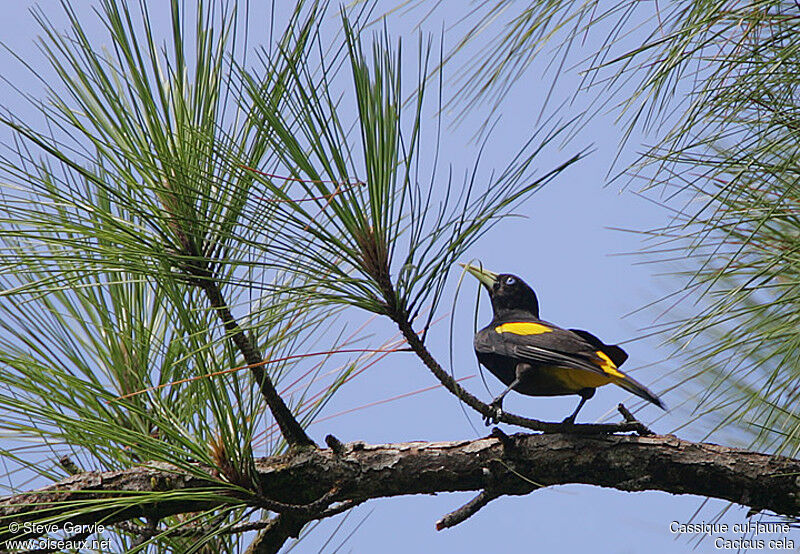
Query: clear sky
(564,248)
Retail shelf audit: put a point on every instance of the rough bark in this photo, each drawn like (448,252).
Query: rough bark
(356,472)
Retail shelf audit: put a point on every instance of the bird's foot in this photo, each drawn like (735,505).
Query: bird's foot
(569,420)
(494,419)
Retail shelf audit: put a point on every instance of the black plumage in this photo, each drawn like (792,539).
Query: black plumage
(537,358)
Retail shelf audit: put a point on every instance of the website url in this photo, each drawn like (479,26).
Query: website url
(57,544)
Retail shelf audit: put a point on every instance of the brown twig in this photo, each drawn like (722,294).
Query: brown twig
(629,418)
(291,429)
(467,510)
(334,444)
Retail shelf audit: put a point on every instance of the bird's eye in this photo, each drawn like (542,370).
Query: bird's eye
(510,281)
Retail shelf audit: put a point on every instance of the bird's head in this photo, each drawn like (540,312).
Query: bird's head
(507,292)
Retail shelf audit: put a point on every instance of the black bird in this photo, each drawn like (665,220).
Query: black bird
(537,358)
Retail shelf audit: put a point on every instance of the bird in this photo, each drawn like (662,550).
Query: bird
(535,357)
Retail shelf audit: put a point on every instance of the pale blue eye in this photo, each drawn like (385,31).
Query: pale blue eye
(510,281)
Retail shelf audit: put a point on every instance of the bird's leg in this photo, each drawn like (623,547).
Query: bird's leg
(586,394)
(497,404)
(571,418)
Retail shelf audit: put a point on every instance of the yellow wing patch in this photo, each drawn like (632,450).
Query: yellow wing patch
(523,328)
(607,365)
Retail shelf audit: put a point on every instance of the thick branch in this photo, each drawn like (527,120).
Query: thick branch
(360,472)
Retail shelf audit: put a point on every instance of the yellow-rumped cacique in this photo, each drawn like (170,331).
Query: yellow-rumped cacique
(537,358)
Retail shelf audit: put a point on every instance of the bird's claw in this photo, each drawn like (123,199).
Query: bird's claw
(495,417)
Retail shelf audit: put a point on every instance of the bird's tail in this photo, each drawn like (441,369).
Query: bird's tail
(632,385)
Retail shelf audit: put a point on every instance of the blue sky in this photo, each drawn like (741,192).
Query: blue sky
(566,249)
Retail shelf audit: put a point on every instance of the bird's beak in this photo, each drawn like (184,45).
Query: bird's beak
(486,277)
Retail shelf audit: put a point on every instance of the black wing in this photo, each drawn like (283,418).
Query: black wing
(617,354)
(558,347)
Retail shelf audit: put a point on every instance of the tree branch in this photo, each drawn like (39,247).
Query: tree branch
(360,472)
(271,538)
(466,511)
(291,429)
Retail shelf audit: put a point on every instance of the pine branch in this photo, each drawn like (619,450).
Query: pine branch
(291,429)
(510,465)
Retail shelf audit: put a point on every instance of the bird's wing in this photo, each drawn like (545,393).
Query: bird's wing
(617,354)
(548,345)
(541,343)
